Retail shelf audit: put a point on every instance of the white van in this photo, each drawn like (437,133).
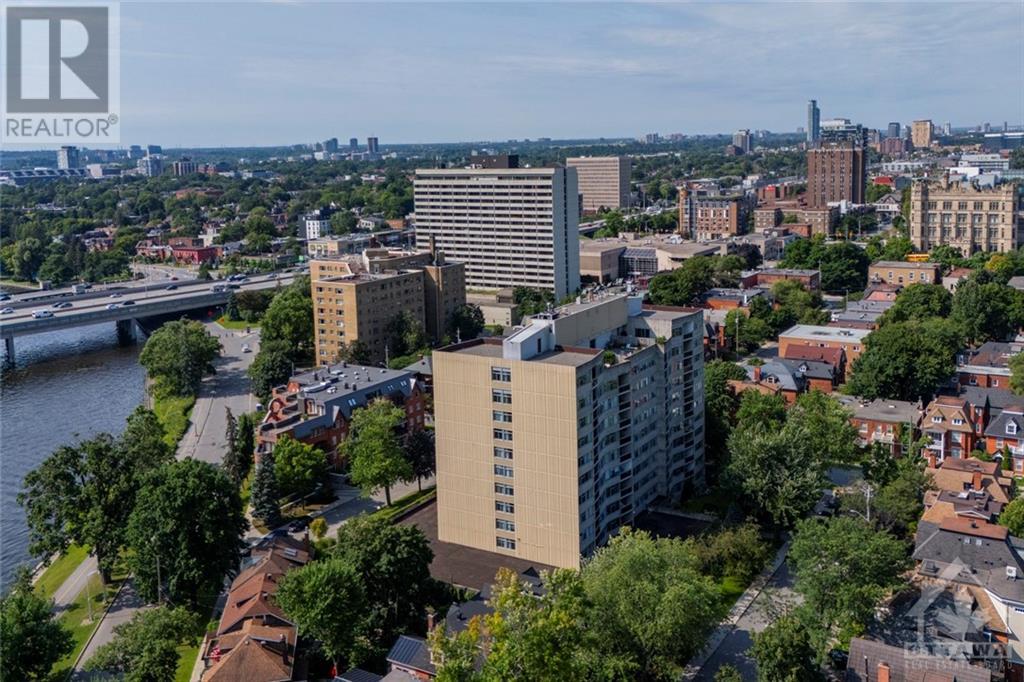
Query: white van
(40,314)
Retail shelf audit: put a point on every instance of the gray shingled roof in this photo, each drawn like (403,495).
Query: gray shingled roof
(985,559)
(411,652)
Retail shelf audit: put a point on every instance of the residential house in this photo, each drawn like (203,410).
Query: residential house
(411,655)
(902,272)
(835,357)
(884,421)
(874,661)
(952,279)
(731,299)
(788,378)
(810,279)
(988,365)
(947,423)
(849,339)
(1004,438)
(888,207)
(974,502)
(316,407)
(959,475)
(881,291)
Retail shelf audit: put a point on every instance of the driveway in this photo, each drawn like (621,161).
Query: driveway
(228,388)
(776,597)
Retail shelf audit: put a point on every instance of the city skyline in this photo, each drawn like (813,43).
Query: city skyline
(441,72)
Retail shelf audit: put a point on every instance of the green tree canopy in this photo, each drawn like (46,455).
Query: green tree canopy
(684,285)
(405,334)
(843,265)
(420,450)
(761,409)
(33,640)
(192,522)
(300,467)
(784,652)
(920,302)
(266,494)
(271,367)
(374,448)
(327,597)
(652,608)
(987,312)
(844,567)
(177,356)
(1012,517)
(289,319)
(720,404)
(146,648)
(467,321)
(906,360)
(826,423)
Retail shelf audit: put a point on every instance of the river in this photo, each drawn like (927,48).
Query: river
(67,385)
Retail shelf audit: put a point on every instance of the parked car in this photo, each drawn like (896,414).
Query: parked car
(245,348)
(300,524)
(40,314)
(61,305)
(6,311)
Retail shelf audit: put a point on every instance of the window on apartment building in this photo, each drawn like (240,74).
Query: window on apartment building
(501,396)
(503,453)
(501,416)
(502,434)
(501,374)
(502,470)
(505,507)
(503,489)
(505,543)
(505,524)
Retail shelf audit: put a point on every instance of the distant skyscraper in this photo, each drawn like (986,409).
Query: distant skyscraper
(331,145)
(813,121)
(841,129)
(154,149)
(603,181)
(741,139)
(150,165)
(353,143)
(135,152)
(986,128)
(894,129)
(921,133)
(947,129)
(67,157)
(371,145)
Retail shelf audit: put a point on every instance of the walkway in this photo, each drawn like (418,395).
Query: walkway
(125,605)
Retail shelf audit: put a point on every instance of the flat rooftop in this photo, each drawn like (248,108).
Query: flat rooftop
(492,348)
(813,332)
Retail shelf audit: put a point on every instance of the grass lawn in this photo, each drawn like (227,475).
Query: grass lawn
(403,504)
(187,656)
(173,413)
(57,572)
(236,324)
(76,619)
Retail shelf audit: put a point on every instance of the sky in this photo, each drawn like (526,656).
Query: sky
(286,72)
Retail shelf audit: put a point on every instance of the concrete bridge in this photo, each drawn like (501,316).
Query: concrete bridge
(122,306)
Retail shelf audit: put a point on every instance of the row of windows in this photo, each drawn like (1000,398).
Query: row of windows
(505,543)
(503,453)
(504,507)
(502,396)
(501,374)
(503,524)
(501,416)
(502,434)
(503,470)
(504,489)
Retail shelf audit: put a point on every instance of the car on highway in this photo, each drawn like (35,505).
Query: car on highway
(171,287)
(61,305)
(245,348)
(5,297)
(128,302)
(40,314)
(113,306)
(6,311)
(234,285)
(116,295)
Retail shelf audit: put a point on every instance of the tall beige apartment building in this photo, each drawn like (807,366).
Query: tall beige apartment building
(354,302)
(921,133)
(552,438)
(509,226)
(603,181)
(966,216)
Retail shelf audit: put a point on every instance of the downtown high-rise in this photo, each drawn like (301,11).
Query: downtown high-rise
(511,227)
(813,121)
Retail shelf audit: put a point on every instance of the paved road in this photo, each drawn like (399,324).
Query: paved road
(228,388)
(125,606)
(67,593)
(774,599)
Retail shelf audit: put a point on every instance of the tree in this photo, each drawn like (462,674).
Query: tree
(986,312)
(192,523)
(826,422)
(247,424)
(405,334)
(651,607)
(289,319)
(784,652)
(356,353)
(691,280)
(266,494)
(145,648)
(457,653)
(467,321)
(844,566)
(720,403)
(327,597)
(745,333)
(318,528)
(300,467)
(919,302)
(906,360)
(177,356)
(83,494)
(843,265)
(1016,364)
(532,301)
(761,409)
(948,256)
(231,308)
(778,473)
(420,451)
(793,305)
(236,464)
(393,562)
(143,440)
(900,502)
(33,640)
(272,366)
(1012,517)
(728,673)
(374,448)
(736,551)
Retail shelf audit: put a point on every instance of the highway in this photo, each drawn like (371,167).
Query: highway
(119,305)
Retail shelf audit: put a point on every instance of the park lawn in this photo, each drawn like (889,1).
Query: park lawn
(76,619)
(236,324)
(58,571)
(173,413)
